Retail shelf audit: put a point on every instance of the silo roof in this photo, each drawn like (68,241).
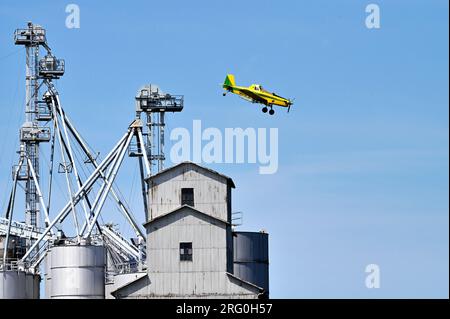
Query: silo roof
(164,171)
(178,209)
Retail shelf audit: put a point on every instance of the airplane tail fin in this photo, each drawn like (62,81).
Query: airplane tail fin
(229,81)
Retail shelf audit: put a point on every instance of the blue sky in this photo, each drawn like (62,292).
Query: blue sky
(363,154)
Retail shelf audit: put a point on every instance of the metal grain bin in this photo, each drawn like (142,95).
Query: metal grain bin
(15,284)
(77,272)
(251,257)
(48,276)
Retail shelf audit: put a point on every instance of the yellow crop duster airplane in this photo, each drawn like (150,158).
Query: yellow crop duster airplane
(256,94)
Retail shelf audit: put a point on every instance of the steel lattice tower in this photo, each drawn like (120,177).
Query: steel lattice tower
(31,38)
(155,103)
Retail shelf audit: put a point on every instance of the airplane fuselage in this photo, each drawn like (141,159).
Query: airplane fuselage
(256,94)
(270,98)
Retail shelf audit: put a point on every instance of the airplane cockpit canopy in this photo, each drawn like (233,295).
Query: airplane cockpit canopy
(258,87)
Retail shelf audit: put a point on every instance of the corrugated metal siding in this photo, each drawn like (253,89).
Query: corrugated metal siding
(77,272)
(210,192)
(205,276)
(251,257)
(19,285)
(208,243)
(194,285)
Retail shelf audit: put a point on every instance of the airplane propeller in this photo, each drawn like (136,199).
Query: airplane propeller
(290,103)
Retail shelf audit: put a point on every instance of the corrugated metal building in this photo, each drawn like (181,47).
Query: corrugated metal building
(190,240)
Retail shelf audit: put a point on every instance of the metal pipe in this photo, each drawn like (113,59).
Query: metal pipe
(113,176)
(50,181)
(101,190)
(85,198)
(88,184)
(11,210)
(122,207)
(144,152)
(69,150)
(38,189)
(60,111)
(69,188)
(143,158)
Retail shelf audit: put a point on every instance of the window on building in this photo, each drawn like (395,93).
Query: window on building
(187,196)
(185,251)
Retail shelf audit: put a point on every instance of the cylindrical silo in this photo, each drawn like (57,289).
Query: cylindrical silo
(17,284)
(48,275)
(251,257)
(77,271)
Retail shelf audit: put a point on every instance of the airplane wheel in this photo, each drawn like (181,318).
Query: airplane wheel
(264,109)
(271,112)
(224,94)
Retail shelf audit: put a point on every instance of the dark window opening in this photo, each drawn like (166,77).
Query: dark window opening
(185,251)
(187,196)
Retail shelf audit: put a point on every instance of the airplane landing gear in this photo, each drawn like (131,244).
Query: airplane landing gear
(224,93)
(265,109)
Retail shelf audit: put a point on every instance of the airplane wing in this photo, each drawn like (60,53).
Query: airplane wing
(254,96)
